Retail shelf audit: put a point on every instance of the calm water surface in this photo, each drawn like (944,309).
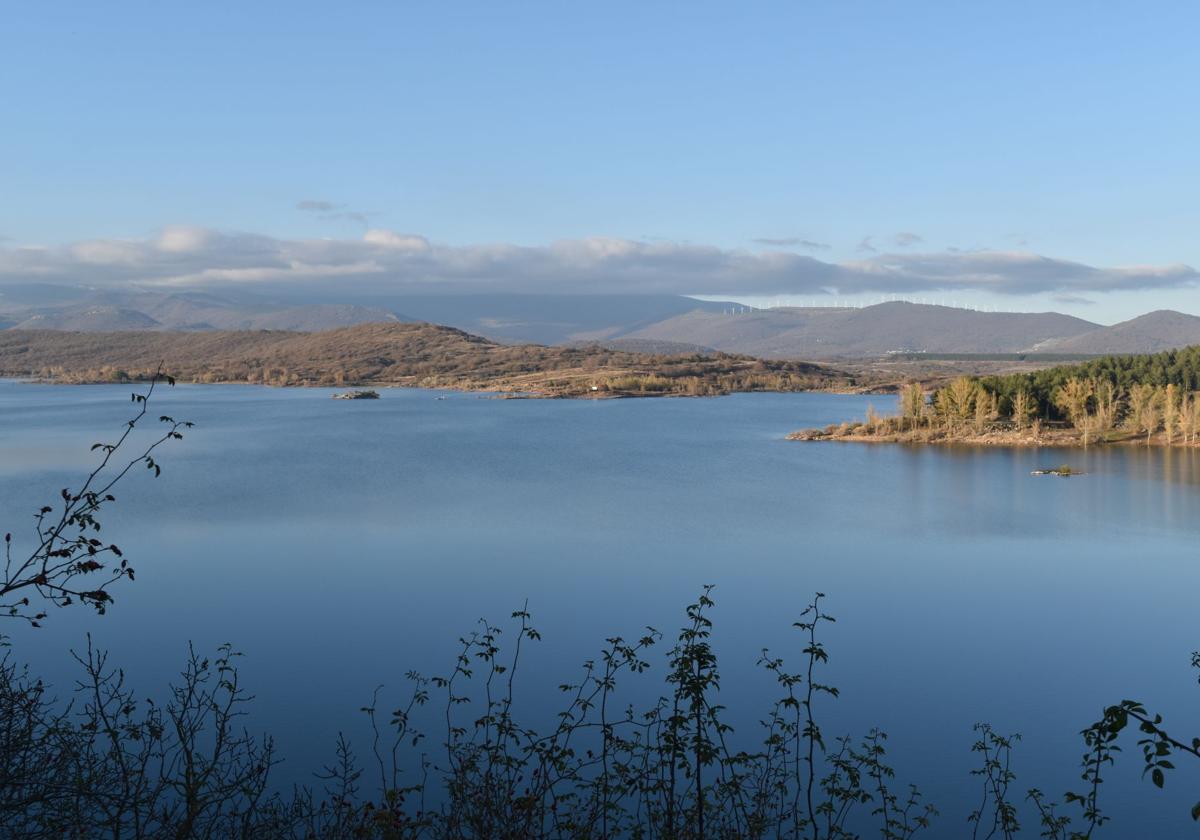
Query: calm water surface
(339,544)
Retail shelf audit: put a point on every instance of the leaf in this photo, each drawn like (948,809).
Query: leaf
(1157,777)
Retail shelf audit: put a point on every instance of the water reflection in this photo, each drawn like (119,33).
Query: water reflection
(366,537)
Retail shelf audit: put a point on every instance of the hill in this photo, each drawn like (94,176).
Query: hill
(88,319)
(663,324)
(409,354)
(1153,332)
(646,345)
(871,331)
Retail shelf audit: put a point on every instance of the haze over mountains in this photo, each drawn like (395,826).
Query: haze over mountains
(64,308)
(514,318)
(828,333)
(871,331)
(659,323)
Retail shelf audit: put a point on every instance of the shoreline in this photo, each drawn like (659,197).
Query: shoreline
(999,438)
(498,391)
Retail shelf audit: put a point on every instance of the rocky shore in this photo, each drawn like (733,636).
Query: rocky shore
(996,436)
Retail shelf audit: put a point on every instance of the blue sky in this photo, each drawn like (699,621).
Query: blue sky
(837,131)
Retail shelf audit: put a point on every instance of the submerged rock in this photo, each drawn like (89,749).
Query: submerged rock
(357,395)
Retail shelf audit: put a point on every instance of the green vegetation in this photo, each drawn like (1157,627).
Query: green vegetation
(1151,398)
(992,357)
(414,355)
(1180,368)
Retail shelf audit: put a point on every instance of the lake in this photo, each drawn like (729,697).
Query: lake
(339,544)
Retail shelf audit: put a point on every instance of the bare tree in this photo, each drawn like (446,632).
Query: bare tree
(956,402)
(1072,399)
(1022,408)
(1108,405)
(987,410)
(912,403)
(1145,412)
(1189,418)
(1170,410)
(69,563)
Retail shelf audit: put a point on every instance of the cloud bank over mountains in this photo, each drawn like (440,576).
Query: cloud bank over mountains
(383,261)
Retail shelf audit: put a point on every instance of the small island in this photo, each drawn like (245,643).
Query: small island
(357,395)
(1063,471)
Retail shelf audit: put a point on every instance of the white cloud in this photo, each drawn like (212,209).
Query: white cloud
(106,252)
(385,261)
(183,239)
(391,239)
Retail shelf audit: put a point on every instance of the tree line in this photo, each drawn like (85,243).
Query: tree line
(1144,394)
(1155,397)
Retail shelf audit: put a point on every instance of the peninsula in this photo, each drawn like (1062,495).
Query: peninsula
(402,354)
(1142,399)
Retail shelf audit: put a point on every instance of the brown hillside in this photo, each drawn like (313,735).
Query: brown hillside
(411,354)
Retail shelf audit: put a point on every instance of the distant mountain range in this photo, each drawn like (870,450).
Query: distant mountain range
(654,323)
(829,333)
(870,331)
(1153,332)
(543,319)
(123,311)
